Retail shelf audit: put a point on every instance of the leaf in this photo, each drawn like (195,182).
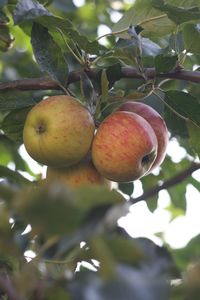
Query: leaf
(55,209)
(88,92)
(6,39)
(194,133)
(2,3)
(176,125)
(135,47)
(186,255)
(10,100)
(165,63)
(185,104)
(104,86)
(177,195)
(113,74)
(90,47)
(126,187)
(140,12)
(26,10)
(13,124)
(48,54)
(95,196)
(149,48)
(12,175)
(191,36)
(177,14)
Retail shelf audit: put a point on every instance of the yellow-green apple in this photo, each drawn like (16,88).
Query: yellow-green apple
(84,173)
(58,131)
(124,147)
(156,122)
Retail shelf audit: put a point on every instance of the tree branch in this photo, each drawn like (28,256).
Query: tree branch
(44,83)
(167,184)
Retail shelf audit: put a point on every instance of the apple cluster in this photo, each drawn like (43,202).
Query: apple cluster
(60,133)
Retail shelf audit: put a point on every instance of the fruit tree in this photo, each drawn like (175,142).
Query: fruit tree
(97,93)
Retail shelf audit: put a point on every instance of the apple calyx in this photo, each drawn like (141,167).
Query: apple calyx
(148,159)
(41,128)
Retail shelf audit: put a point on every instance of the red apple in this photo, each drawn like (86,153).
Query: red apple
(156,122)
(124,147)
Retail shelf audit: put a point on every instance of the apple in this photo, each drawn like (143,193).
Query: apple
(124,147)
(156,122)
(83,173)
(58,131)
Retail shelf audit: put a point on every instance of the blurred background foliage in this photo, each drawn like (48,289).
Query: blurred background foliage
(115,266)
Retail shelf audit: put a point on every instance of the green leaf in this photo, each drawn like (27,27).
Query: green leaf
(142,10)
(186,255)
(176,125)
(95,196)
(88,92)
(165,63)
(131,47)
(104,86)
(177,14)
(113,74)
(56,293)
(13,124)
(6,39)
(10,100)
(55,209)
(126,187)
(194,133)
(177,195)
(48,54)
(29,10)
(191,36)
(185,104)
(12,176)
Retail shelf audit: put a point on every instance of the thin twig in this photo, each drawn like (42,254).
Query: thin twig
(167,184)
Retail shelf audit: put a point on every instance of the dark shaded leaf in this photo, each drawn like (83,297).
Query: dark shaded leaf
(188,254)
(126,187)
(142,11)
(128,283)
(13,124)
(6,39)
(113,74)
(194,133)
(12,176)
(10,100)
(185,104)
(191,36)
(165,63)
(177,14)
(48,54)
(88,92)
(176,125)
(26,10)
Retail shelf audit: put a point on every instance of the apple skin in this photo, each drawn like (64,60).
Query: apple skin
(124,147)
(156,122)
(58,131)
(82,174)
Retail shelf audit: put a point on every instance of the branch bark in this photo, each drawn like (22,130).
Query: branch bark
(44,83)
(167,184)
